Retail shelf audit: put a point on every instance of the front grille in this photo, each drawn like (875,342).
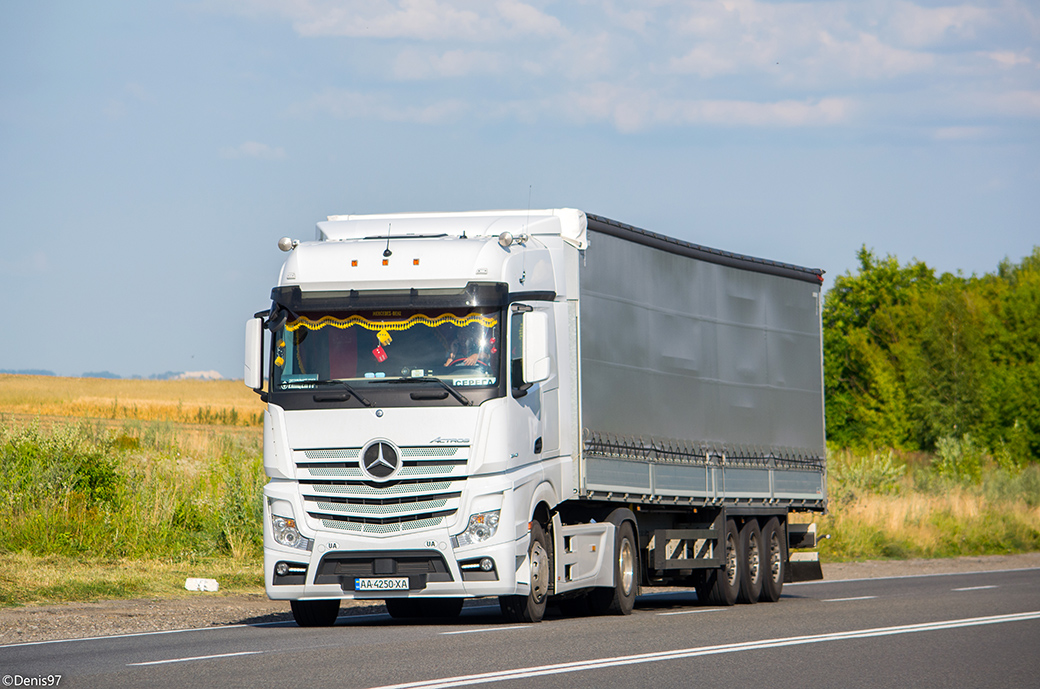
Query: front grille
(425,492)
(335,567)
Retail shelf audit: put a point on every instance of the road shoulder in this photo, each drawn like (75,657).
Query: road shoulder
(108,618)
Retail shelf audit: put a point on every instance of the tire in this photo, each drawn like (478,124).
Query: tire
(774,564)
(750,562)
(531,608)
(315,613)
(423,608)
(620,598)
(721,586)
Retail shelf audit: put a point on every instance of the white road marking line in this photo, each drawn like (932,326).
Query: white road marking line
(600,663)
(976,588)
(690,612)
(484,629)
(349,617)
(842,600)
(187,660)
(912,576)
(123,636)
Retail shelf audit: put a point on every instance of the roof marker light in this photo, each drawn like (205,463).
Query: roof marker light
(288,244)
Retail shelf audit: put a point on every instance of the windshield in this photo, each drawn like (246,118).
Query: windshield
(372,348)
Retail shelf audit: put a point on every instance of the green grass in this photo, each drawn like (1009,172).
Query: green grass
(958,502)
(96,509)
(97,497)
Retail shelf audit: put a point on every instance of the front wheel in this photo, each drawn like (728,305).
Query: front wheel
(531,608)
(315,613)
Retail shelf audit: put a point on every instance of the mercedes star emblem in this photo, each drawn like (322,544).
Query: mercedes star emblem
(380,459)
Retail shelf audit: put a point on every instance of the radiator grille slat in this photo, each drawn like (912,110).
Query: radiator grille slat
(424,493)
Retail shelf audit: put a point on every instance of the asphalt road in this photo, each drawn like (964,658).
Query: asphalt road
(979,629)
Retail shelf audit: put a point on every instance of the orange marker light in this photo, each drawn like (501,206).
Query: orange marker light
(353,264)
(415,261)
(386,261)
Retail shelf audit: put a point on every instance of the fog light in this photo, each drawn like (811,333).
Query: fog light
(486,564)
(281,569)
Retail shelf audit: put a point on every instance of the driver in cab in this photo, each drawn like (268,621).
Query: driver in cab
(471,347)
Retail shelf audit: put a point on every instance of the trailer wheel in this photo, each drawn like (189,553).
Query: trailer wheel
(428,608)
(315,613)
(531,608)
(621,598)
(751,562)
(721,586)
(775,561)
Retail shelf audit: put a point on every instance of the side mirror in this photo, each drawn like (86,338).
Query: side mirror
(254,354)
(536,346)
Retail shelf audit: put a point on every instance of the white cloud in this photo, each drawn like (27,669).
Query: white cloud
(1017,103)
(1009,58)
(354,105)
(921,26)
(632,109)
(414,64)
(254,150)
(750,63)
(467,20)
(867,57)
(962,133)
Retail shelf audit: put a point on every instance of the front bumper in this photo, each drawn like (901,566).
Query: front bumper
(429,563)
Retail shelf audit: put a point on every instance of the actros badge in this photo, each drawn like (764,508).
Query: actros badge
(380,460)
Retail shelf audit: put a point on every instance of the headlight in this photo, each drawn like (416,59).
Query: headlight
(285,532)
(481,527)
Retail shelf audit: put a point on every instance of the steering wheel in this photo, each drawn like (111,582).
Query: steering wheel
(462,362)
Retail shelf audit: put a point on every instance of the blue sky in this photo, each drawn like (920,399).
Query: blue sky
(151,154)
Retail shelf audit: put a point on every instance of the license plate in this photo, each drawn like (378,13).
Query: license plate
(385,584)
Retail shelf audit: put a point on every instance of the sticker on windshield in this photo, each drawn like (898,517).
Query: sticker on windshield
(473,381)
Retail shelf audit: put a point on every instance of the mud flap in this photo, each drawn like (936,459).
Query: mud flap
(803,567)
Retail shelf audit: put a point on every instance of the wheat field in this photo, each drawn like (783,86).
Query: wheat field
(210,402)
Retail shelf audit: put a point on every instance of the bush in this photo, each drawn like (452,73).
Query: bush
(136,492)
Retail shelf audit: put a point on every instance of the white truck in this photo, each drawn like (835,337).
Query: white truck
(545,406)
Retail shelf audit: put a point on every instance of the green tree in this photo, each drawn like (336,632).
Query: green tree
(865,395)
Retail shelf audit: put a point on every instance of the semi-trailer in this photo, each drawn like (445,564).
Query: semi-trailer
(544,406)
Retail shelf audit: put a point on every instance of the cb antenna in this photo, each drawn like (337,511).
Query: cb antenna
(386,252)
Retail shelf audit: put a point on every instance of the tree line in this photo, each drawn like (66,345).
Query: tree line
(912,359)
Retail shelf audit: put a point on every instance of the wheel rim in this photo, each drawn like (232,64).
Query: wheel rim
(539,572)
(775,558)
(731,561)
(754,559)
(627,566)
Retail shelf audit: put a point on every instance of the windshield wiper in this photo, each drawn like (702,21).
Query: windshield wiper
(338,398)
(433,379)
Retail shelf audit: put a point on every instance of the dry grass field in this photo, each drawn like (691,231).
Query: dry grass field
(216,402)
(121,488)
